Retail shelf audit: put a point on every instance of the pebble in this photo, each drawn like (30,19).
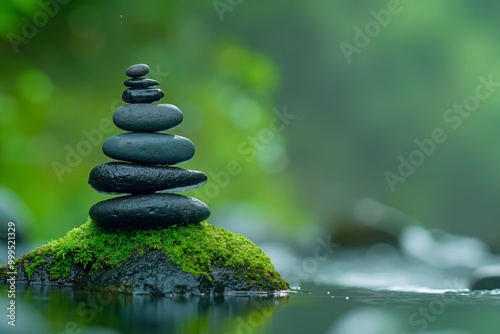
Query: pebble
(137,70)
(486,278)
(140,82)
(126,178)
(147,117)
(149,148)
(133,95)
(149,210)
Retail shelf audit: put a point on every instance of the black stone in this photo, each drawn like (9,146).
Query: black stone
(133,95)
(486,278)
(125,178)
(149,148)
(140,83)
(137,70)
(149,210)
(147,117)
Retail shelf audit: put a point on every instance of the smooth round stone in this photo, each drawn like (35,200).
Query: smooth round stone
(137,70)
(140,83)
(125,178)
(149,210)
(134,95)
(486,278)
(149,148)
(146,117)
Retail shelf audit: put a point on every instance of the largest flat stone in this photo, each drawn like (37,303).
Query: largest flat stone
(149,148)
(125,178)
(149,210)
(147,117)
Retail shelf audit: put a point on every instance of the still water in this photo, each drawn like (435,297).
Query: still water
(312,309)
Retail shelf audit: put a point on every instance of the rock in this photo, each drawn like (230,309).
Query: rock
(149,210)
(142,147)
(137,70)
(140,83)
(193,260)
(349,233)
(147,117)
(486,278)
(134,95)
(149,148)
(125,178)
(153,274)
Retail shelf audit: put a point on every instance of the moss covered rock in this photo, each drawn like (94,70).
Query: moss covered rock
(194,259)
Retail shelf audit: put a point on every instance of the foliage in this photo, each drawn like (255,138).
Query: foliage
(68,77)
(354,120)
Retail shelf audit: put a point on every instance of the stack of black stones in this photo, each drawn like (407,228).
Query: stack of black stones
(146,177)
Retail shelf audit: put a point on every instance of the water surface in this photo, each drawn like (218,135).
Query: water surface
(312,309)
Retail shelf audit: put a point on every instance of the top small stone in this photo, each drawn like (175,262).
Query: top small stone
(137,70)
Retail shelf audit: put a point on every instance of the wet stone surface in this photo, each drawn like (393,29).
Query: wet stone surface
(140,83)
(145,117)
(137,70)
(126,178)
(135,95)
(149,210)
(149,148)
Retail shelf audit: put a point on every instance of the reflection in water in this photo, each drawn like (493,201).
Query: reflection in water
(315,309)
(366,320)
(66,311)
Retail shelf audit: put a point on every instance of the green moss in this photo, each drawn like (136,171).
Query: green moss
(194,247)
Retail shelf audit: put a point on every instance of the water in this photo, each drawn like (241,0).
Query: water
(313,309)
(374,290)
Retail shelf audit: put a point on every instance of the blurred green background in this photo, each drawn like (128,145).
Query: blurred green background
(229,66)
